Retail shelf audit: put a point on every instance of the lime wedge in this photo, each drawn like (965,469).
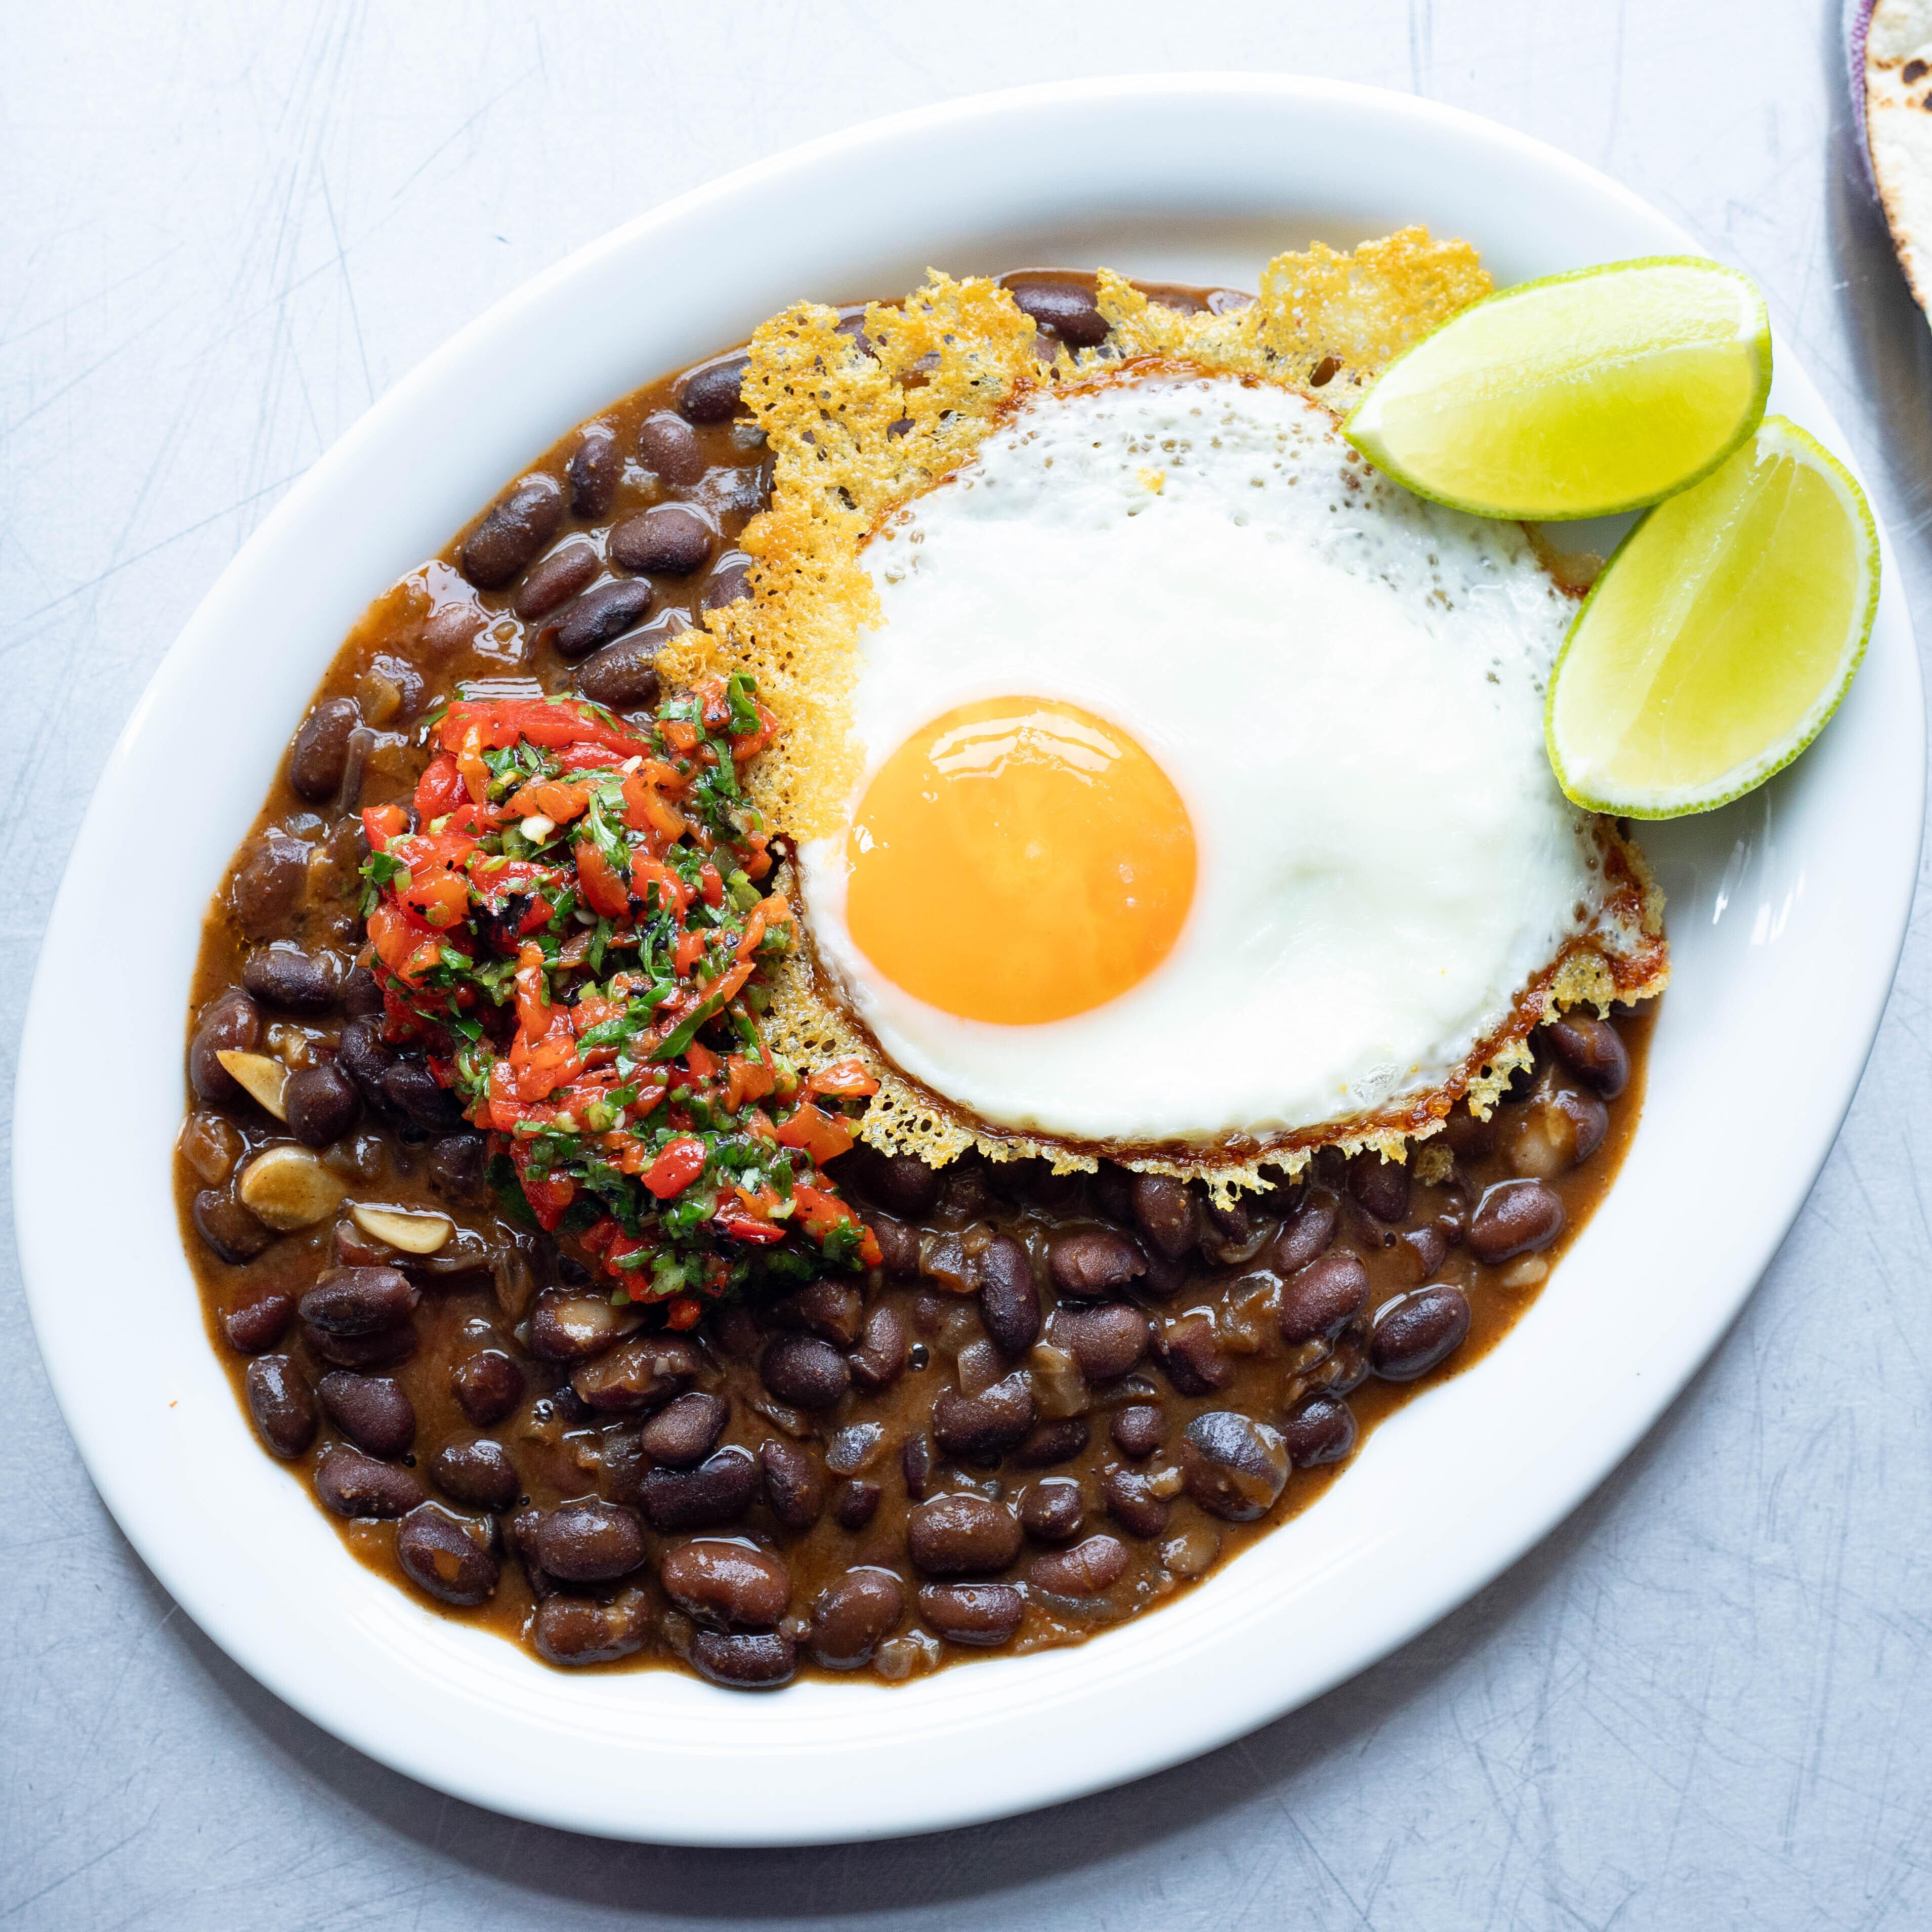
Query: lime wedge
(1719,637)
(1580,395)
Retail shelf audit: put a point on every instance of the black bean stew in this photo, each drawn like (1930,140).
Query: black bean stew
(861,1416)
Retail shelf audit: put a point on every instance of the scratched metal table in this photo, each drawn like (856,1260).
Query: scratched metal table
(1705,1701)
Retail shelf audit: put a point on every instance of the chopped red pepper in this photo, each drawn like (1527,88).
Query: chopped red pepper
(821,1214)
(680,1163)
(603,891)
(846,1078)
(438,791)
(562,1056)
(822,1136)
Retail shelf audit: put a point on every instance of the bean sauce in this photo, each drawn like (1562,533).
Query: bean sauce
(1056,1402)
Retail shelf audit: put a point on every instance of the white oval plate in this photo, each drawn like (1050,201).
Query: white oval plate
(1787,912)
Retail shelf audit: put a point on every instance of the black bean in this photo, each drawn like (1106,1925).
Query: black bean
(1089,1569)
(623,676)
(229,1024)
(1132,1504)
(1319,1301)
(1308,1233)
(736,491)
(1052,1510)
(1231,1236)
(362,995)
(372,1410)
(456,1165)
(852,1615)
(1416,1331)
(1057,1193)
(734,1332)
(1092,1261)
(643,1372)
(356,1485)
(479,1473)
(488,1385)
(1067,310)
(665,540)
(445,1556)
(1191,1355)
(410,1089)
(883,1349)
(1168,1214)
(601,616)
(854,1503)
(717,1491)
(450,628)
(258,1325)
(1232,1466)
(725,1585)
(898,1244)
(1319,1430)
(1468,1138)
(319,754)
(710,394)
(286,976)
(279,1401)
(595,467)
(353,1301)
(1019,1179)
(1592,1050)
(403,698)
(1111,1189)
(853,327)
(805,1371)
(984,1424)
(1347,1368)
(227,1227)
(513,533)
(1106,1339)
(900,1182)
(1514,1217)
(1588,1121)
(571,1631)
(1047,1443)
(382,1350)
(741,1660)
(982,1614)
(321,1103)
(682,1432)
(1424,1250)
(585,1541)
(1379,1187)
(828,1309)
(573,1328)
(1139,1429)
(1009,1301)
(557,579)
(269,886)
(667,445)
(794,1483)
(962,1535)
(731,579)
(915,1465)
(361,1054)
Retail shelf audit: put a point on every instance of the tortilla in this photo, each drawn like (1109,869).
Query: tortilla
(1889,43)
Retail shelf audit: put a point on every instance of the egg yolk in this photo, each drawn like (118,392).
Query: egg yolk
(1018,860)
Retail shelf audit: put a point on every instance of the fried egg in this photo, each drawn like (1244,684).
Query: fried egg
(1203,792)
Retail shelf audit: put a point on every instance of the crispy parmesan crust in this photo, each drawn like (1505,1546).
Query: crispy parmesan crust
(855,436)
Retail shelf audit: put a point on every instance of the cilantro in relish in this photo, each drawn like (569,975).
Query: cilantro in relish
(576,926)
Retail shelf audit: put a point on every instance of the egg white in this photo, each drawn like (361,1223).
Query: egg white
(1344,683)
